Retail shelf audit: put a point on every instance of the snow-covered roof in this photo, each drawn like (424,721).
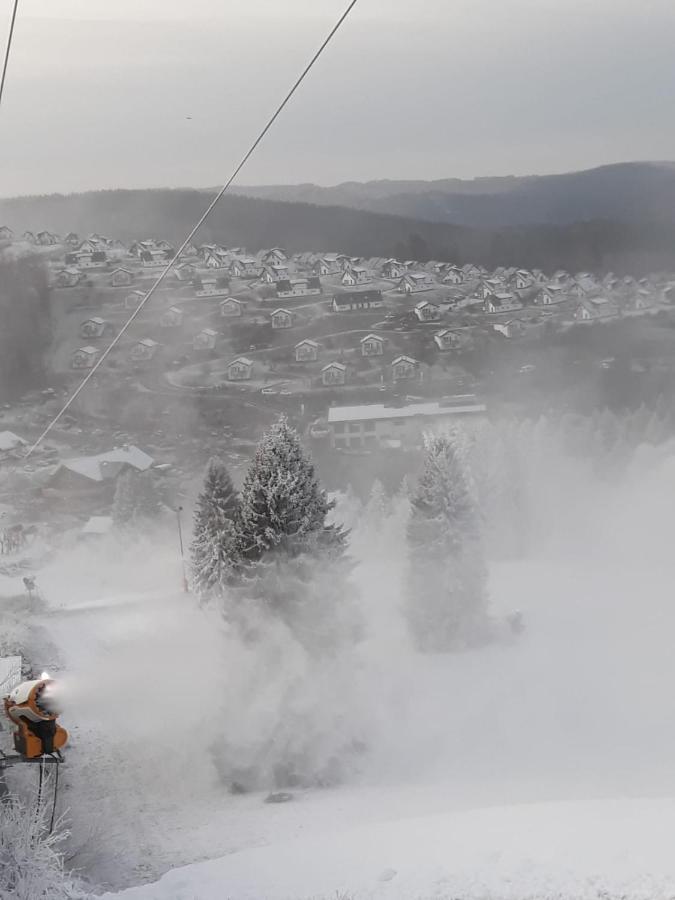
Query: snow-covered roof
(87,350)
(10,441)
(307,342)
(372,337)
(335,365)
(209,331)
(464,404)
(241,361)
(148,342)
(106,465)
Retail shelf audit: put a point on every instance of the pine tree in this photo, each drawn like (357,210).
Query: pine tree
(148,503)
(283,507)
(124,503)
(378,506)
(448,598)
(214,546)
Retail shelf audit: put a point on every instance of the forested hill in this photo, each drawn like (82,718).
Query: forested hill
(257,223)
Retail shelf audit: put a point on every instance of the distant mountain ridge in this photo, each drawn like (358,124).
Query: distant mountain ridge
(623,192)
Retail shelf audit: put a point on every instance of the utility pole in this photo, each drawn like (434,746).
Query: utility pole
(182,552)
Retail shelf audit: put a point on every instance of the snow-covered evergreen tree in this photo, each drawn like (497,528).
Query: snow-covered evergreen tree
(213,550)
(148,503)
(124,504)
(448,577)
(283,507)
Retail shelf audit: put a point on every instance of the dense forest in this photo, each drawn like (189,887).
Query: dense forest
(598,246)
(25,325)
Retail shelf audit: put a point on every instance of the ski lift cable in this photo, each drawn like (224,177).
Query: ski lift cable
(207,212)
(8,47)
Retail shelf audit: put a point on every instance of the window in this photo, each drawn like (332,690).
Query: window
(369,426)
(355,426)
(356,443)
(399,423)
(339,427)
(340,443)
(370,440)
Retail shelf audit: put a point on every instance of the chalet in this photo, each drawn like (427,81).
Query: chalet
(642,300)
(29,237)
(240,369)
(453,275)
(172,317)
(561,278)
(93,328)
(246,267)
(184,272)
(156,258)
(403,368)
(306,351)
(377,425)
(413,282)
(347,262)
(471,271)
(356,301)
(6,233)
(511,329)
(84,358)
(299,287)
(230,307)
(71,239)
(90,245)
(523,279)
(69,277)
(394,269)
(328,265)
(550,295)
(92,259)
(144,350)
(595,309)
(121,277)
(489,287)
(448,340)
(501,303)
(334,373)
(134,299)
(211,287)
(586,285)
(282,318)
(217,258)
(273,274)
(427,312)
(205,340)
(372,345)
(274,257)
(354,275)
(99,473)
(46,238)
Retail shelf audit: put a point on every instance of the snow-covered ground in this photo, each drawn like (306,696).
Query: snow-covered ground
(541,767)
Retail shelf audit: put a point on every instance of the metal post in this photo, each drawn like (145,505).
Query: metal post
(182,552)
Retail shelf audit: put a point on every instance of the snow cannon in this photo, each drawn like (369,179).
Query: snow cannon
(30,708)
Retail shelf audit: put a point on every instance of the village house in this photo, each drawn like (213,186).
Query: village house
(414,282)
(511,329)
(501,303)
(29,237)
(273,274)
(276,257)
(550,295)
(98,474)
(69,277)
(93,328)
(172,317)
(6,233)
(376,425)
(523,279)
(184,272)
(121,277)
(471,272)
(299,287)
(282,318)
(306,351)
(334,373)
(403,368)
(372,345)
(144,350)
(156,258)
(230,307)
(354,275)
(217,258)
(453,275)
(595,309)
(134,299)
(393,269)
(328,264)
(84,358)
(245,267)
(211,287)
(642,301)
(356,301)
(46,238)
(71,239)
(205,340)
(427,311)
(447,339)
(240,369)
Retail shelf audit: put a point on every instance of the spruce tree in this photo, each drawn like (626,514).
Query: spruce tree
(283,507)
(124,503)
(448,600)
(214,546)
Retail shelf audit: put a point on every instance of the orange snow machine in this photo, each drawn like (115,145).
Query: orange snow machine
(30,709)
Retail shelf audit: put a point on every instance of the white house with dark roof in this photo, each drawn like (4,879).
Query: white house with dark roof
(206,339)
(121,277)
(453,275)
(328,264)
(230,307)
(393,269)
(274,257)
(595,309)
(501,303)
(246,267)
(550,295)
(240,369)
(427,311)
(93,328)
(414,282)
(211,287)
(282,318)
(335,373)
(372,345)
(306,351)
(274,274)
(511,329)
(354,275)
(84,358)
(447,339)
(299,287)
(403,368)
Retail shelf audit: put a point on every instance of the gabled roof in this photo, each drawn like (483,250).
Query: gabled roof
(87,350)
(107,465)
(307,341)
(209,331)
(408,359)
(97,320)
(10,441)
(372,337)
(242,361)
(148,342)
(282,310)
(335,365)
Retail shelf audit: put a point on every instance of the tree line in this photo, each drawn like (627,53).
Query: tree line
(25,323)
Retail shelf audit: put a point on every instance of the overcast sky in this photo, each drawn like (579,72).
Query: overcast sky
(99,93)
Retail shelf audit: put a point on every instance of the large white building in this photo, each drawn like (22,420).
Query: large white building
(376,425)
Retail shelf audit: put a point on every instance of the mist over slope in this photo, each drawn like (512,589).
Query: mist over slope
(625,192)
(635,248)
